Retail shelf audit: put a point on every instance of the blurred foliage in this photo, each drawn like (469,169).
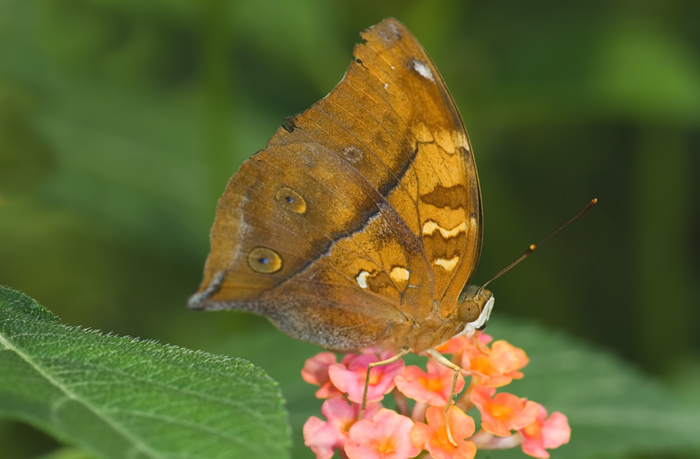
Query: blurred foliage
(120,122)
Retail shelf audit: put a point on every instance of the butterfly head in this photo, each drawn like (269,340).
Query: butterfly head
(475,305)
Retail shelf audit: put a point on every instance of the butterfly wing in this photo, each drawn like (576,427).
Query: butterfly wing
(448,197)
(359,214)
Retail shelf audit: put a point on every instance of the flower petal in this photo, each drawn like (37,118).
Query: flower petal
(324,437)
(315,371)
(432,387)
(433,436)
(385,436)
(349,377)
(545,433)
(503,413)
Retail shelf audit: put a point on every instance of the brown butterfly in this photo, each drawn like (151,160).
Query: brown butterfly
(360,223)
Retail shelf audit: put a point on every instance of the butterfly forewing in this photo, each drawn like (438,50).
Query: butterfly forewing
(449,198)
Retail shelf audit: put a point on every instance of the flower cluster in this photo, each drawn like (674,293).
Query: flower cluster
(425,424)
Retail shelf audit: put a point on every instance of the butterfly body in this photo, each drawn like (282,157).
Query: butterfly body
(360,223)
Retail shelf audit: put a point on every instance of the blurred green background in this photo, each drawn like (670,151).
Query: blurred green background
(120,122)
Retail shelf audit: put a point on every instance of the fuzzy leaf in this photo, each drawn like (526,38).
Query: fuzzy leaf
(119,397)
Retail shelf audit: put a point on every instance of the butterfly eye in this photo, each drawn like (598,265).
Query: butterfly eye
(469,311)
(291,200)
(263,260)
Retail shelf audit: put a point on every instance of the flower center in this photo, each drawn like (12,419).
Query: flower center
(386,446)
(533,430)
(374,378)
(432,384)
(501,411)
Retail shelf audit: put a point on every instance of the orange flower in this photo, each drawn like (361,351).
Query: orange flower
(458,344)
(497,368)
(432,387)
(433,435)
(507,359)
(503,413)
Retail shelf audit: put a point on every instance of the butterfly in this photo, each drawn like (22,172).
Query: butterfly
(360,223)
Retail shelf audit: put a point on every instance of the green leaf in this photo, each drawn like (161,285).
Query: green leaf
(120,397)
(68,453)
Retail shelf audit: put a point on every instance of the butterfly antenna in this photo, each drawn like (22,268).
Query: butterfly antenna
(532,247)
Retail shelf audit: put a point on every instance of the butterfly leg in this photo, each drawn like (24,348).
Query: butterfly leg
(440,358)
(393,359)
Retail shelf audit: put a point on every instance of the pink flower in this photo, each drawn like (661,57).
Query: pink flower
(545,433)
(433,435)
(503,413)
(324,437)
(386,436)
(349,376)
(432,387)
(315,371)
